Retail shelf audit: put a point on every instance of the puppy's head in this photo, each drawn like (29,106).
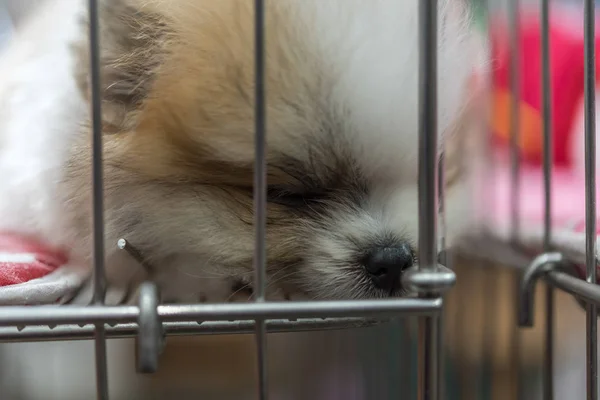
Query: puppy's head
(342,132)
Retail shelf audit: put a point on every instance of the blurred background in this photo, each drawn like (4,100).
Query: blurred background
(486,356)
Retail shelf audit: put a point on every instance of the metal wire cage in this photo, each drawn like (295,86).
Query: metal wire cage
(150,321)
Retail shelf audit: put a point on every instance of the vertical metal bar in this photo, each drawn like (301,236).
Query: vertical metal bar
(590,194)
(516,343)
(445,260)
(490,166)
(97,198)
(404,363)
(439,346)
(413,365)
(547,373)
(547,121)
(428,149)
(515,134)
(428,157)
(515,163)
(260,192)
(489,328)
(428,357)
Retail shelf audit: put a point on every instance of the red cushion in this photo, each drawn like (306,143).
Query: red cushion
(23,259)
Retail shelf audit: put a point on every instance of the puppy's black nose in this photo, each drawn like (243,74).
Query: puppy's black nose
(385,265)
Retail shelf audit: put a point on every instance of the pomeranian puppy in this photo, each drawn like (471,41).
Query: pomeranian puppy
(178,124)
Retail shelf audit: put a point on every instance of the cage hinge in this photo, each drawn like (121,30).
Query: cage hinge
(150,339)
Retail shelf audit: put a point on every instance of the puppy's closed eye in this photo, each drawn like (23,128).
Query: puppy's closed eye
(292,197)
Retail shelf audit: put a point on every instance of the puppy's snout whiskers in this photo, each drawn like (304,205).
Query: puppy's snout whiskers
(240,287)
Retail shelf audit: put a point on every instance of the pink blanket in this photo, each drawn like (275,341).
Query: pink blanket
(31,273)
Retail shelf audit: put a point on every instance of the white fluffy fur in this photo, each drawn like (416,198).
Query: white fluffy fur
(40,110)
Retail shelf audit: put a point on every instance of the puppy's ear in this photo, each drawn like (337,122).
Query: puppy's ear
(132,43)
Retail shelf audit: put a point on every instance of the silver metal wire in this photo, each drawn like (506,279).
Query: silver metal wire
(555,268)
(260,193)
(548,150)
(490,167)
(428,181)
(515,134)
(583,290)
(445,260)
(60,315)
(542,264)
(128,330)
(97,197)
(428,146)
(515,161)
(590,193)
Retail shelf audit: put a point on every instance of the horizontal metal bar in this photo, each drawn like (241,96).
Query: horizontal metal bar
(64,315)
(75,332)
(293,310)
(586,291)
